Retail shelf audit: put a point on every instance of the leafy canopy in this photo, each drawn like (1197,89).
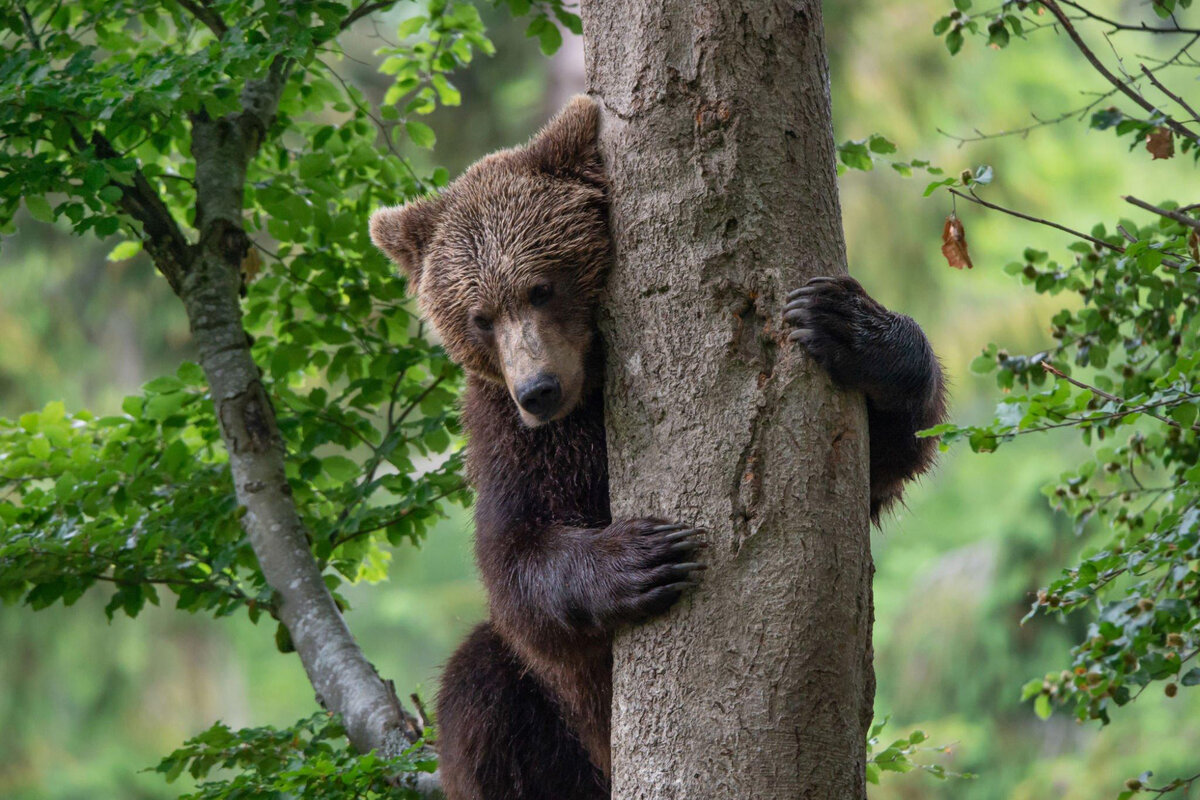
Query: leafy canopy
(98,103)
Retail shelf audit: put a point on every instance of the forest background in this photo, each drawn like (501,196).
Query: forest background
(86,706)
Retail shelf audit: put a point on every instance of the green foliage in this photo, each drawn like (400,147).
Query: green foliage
(1135,337)
(309,760)
(97,104)
(900,755)
(547,16)
(863,154)
(1125,374)
(144,499)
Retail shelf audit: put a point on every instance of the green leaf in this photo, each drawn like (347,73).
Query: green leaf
(549,39)
(421,134)
(124,250)
(856,156)
(39,209)
(880,144)
(1041,706)
(954,41)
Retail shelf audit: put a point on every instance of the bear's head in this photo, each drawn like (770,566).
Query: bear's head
(508,262)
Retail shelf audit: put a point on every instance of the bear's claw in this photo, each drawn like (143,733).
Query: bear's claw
(836,321)
(659,564)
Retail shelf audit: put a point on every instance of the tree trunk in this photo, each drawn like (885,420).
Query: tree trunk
(718,142)
(344,681)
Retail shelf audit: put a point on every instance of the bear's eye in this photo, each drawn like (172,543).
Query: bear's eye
(540,294)
(481,322)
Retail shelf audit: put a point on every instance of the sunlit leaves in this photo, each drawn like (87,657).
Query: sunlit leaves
(903,755)
(309,760)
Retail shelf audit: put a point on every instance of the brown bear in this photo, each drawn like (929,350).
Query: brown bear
(508,263)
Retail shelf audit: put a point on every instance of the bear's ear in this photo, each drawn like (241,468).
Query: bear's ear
(568,146)
(404,232)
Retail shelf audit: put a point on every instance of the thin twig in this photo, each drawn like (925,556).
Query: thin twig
(1113,398)
(363,10)
(339,541)
(1182,219)
(1077,113)
(1141,27)
(1053,7)
(1149,73)
(974,198)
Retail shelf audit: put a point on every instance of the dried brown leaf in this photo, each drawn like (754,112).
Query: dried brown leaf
(954,243)
(1194,244)
(251,265)
(1160,144)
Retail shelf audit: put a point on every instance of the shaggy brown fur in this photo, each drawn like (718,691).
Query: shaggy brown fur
(508,264)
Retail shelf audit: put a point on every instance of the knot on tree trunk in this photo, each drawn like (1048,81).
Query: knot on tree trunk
(248,420)
(226,239)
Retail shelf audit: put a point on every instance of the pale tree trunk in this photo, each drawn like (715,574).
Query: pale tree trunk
(717,139)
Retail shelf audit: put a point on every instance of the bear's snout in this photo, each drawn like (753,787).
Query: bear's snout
(541,396)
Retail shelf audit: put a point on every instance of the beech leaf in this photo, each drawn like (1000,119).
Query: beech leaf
(1160,144)
(954,243)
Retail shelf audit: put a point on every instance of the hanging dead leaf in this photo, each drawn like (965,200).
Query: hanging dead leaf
(1160,144)
(954,243)
(251,265)
(1194,244)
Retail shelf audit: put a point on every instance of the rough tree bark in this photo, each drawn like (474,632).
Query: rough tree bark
(718,142)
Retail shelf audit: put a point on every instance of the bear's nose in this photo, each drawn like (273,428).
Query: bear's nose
(541,396)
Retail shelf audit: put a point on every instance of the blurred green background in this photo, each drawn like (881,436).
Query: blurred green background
(87,704)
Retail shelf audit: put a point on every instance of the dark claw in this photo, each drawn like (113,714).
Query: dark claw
(801,335)
(674,537)
(796,316)
(674,526)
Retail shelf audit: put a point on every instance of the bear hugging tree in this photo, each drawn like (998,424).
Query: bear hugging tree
(508,264)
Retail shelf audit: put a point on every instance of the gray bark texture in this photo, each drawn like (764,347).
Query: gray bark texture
(718,142)
(207,277)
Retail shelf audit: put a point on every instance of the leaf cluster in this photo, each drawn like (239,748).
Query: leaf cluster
(309,760)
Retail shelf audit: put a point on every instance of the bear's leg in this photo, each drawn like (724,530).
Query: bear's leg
(500,736)
(885,355)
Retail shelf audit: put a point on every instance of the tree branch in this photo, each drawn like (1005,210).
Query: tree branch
(974,198)
(1141,27)
(1158,85)
(1182,219)
(209,16)
(345,682)
(1078,112)
(34,39)
(1143,409)
(1053,7)
(363,10)
(161,235)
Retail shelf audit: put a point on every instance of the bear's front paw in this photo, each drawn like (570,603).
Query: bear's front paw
(656,564)
(836,321)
